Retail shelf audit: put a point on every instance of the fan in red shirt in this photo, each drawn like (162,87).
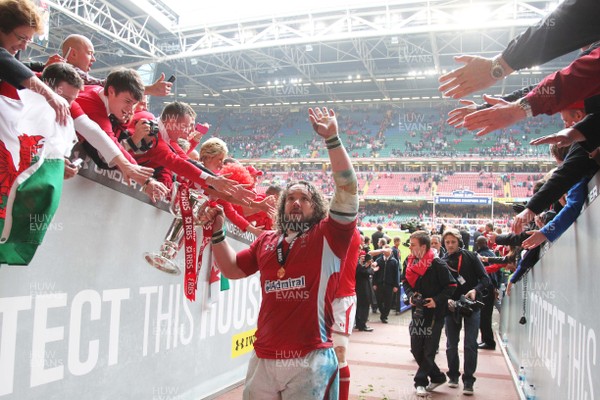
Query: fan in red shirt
(110,107)
(300,267)
(253,218)
(64,80)
(155,146)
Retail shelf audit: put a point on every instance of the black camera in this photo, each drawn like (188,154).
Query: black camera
(153,128)
(411,226)
(418,302)
(145,143)
(465,306)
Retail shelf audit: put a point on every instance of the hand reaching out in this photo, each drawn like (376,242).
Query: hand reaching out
(563,138)
(522,218)
(456,116)
(501,115)
(474,75)
(534,240)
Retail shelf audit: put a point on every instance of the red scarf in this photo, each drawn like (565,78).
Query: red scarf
(417,268)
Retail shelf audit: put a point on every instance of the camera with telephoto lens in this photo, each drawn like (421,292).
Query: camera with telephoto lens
(418,302)
(465,306)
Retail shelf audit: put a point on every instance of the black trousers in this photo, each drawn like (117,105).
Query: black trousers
(373,299)
(485,324)
(424,342)
(385,294)
(362,309)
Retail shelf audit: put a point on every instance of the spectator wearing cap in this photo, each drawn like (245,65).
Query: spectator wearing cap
(364,271)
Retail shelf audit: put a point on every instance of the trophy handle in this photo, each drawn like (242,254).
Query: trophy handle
(199,204)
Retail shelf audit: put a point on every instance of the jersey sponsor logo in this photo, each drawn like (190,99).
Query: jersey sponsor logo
(269,247)
(285,284)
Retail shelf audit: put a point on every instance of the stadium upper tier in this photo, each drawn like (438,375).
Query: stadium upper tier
(406,185)
(375,133)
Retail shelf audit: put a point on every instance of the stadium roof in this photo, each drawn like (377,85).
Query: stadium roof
(386,52)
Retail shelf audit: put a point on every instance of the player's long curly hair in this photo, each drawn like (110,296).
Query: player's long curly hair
(320,209)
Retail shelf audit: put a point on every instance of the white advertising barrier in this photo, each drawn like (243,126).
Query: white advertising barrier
(90,319)
(559,344)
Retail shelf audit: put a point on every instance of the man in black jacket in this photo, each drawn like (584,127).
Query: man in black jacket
(363,292)
(471,278)
(428,284)
(386,282)
(485,324)
(378,234)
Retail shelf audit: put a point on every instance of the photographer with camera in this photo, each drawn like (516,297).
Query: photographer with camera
(428,285)
(151,146)
(470,275)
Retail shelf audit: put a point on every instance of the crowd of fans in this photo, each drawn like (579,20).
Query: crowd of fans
(164,151)
(373,132)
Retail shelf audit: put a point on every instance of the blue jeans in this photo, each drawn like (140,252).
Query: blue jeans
(453,328)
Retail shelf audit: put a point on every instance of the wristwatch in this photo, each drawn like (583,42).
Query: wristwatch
(497,71)
(523,103)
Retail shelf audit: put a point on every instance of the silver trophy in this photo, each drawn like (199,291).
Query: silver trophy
(163,259)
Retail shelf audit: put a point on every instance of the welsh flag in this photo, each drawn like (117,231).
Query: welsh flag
(216,283)
(32,151)
(209,272)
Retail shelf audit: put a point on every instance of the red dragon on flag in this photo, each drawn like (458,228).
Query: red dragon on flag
(28,155)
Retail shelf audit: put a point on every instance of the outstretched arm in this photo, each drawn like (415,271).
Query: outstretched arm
(344,204)
(225,255)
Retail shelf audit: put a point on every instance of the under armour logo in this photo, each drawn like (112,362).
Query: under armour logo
(269,247)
